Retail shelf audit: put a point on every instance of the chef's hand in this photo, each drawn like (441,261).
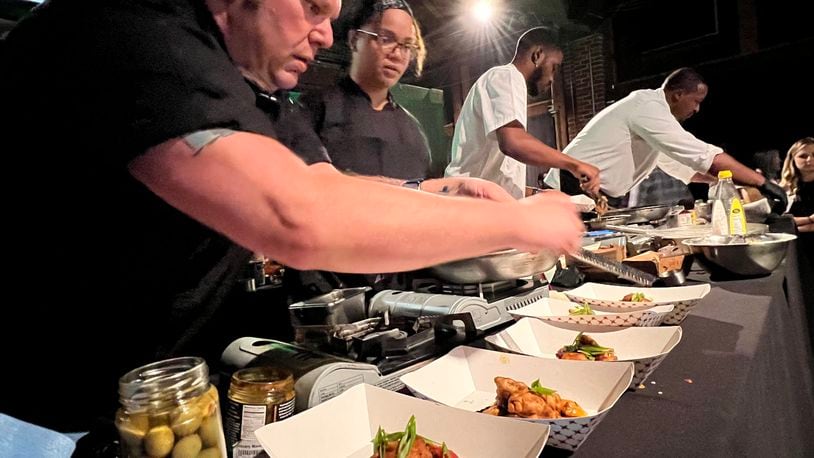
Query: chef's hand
(550,222)
(588,177)
(467,187)
(778,199)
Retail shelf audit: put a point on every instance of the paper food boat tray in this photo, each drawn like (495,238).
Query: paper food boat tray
(646,348)
(608,298)
(464,378)
(344,426)
(556,312)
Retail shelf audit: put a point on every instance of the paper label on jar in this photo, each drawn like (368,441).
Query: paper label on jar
(686,219)
(242,420)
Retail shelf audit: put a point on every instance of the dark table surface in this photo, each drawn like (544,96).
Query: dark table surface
(740,383)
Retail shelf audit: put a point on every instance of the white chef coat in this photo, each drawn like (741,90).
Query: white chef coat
(497,98)
(629,138)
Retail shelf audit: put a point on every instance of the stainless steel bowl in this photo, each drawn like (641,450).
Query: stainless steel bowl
(760,255)
(498,266)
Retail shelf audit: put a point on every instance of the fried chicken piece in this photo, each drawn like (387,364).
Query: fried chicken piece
(636,297)
(517,399)
(506,387)
(493,409)
(420,449)
(585,339)
(609,356)
(533,405)
(572,355)
(570,408)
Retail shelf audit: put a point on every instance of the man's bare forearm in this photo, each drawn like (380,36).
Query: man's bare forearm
(741,174)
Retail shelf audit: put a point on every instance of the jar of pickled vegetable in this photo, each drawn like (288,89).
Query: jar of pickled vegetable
(257,396)
(170,408)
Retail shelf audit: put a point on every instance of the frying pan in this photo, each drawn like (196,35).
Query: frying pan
(498,266)
(641,214)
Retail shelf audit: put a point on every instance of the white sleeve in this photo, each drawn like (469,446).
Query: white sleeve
(663,132)
(675,169)
(502,100)
(552,179)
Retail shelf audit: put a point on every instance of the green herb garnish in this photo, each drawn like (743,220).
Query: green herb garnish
(539,389)
(407,440)
(590,351)
(583,309)
(380,442)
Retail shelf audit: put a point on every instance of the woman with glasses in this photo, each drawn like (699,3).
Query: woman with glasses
(365,131)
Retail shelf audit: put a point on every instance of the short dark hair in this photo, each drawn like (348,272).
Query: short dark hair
(369,10)
(684,79)
(545,36)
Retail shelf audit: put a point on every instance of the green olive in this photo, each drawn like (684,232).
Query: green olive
(159,441)
(188,447)
(162,419)
(210,431)
(211,452)
(208,402)
(185,420)
(132,428)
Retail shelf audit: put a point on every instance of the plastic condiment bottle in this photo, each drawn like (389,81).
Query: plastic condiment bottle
(728,217)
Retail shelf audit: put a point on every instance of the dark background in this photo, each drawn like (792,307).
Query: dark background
(755,54)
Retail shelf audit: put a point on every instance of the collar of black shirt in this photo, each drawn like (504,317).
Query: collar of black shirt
(349,86)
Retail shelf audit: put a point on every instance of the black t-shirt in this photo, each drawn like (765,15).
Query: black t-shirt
(88,86)
(803,204)
(362,140)
(292,125)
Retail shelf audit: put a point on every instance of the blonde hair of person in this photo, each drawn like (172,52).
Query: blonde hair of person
(421,52)
(790,177)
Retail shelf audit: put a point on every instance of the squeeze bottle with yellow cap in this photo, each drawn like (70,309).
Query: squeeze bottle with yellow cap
(728,217)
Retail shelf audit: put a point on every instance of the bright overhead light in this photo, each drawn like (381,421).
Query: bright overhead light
(482,11)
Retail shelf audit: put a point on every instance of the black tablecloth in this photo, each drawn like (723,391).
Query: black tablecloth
(740,383)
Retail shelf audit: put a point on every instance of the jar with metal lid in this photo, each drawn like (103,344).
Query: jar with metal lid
(257,396)
(170,408)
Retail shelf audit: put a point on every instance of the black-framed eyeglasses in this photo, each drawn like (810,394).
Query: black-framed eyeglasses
(388,43)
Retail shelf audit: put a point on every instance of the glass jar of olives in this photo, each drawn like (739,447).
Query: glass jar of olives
(170,408)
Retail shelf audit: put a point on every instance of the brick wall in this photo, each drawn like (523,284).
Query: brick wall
(586,76)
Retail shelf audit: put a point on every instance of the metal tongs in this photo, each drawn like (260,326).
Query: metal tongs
(347,331)
(617,268)
(639,277)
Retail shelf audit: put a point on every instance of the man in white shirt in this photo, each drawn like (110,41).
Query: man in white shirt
(490,138)
(629,138)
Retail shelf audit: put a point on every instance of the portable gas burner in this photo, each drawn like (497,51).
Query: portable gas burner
(337,346)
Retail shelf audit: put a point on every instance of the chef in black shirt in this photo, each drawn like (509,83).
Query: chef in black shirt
(162,177)
(364,129)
